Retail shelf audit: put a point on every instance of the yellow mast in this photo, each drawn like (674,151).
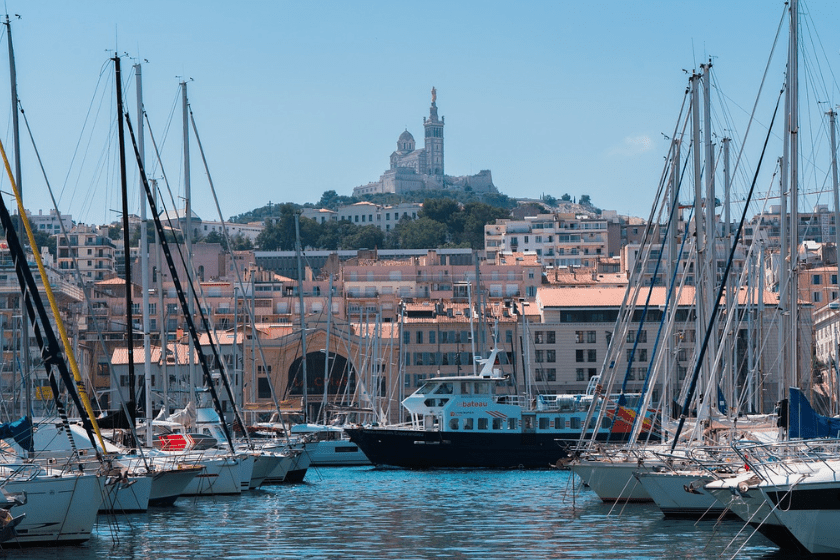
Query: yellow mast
(68,351)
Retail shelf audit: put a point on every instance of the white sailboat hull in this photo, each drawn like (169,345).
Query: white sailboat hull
(613,481)
(681,494)
(128,495)
(810,509)
(58,509)
(220,475)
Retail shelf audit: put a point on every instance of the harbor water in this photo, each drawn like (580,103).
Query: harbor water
(361,512)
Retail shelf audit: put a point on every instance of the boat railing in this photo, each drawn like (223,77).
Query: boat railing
(715,460)
(517,400)
(19,472)
(789,457)
(616,453)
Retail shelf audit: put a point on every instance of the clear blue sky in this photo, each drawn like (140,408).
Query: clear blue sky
(295,98)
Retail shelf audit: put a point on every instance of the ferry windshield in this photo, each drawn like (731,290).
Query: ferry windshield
(426,388)
(444,389)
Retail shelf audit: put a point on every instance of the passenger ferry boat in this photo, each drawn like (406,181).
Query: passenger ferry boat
(460,422)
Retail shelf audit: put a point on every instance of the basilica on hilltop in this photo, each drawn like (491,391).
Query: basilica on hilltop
(412,169)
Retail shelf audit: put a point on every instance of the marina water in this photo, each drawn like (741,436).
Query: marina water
(360,512)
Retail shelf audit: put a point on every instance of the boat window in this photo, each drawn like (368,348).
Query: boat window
(482,423)
(559,423)
(544,423)
(426,388)
(574,423)
(468,423)
(481,388)
(606,422)
(511,423)
(497,423)
(444,389)
(528,422)
(592,422)
(453,424)
(465,388)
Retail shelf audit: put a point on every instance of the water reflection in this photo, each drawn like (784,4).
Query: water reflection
(364,513)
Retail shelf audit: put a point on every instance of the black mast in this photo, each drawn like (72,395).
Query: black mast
(182,298)
(47,342)
(129,327)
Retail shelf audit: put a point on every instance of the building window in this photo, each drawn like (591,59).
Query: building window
(539,356)
(817,297)
(550,356)
(592,355)
(579,373)
(579,356)
(590,337)
(407,337)
(632,335)
(431,337)
(592,372)
(816,280)
(419,337)
(263,388)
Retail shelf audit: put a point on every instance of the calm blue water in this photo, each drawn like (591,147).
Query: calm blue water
(345,513)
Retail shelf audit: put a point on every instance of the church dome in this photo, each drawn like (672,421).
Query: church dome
(405,143)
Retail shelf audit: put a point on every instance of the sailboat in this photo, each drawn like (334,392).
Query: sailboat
(61,504)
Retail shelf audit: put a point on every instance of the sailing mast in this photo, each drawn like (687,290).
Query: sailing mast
(188,230)
(129,327)
(16,136)
(792,131)
(302,320)
(182,298)
(144,264)
(832,116)
(327,370)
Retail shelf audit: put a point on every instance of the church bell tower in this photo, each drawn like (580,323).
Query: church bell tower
(434,140)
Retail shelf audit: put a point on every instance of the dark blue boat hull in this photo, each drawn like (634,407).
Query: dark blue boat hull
(417,449)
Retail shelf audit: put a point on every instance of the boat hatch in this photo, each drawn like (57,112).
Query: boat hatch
(435,402)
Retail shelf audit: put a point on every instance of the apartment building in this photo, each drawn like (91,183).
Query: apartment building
(560,240)
(568,343)
(51,222)
(89,248)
